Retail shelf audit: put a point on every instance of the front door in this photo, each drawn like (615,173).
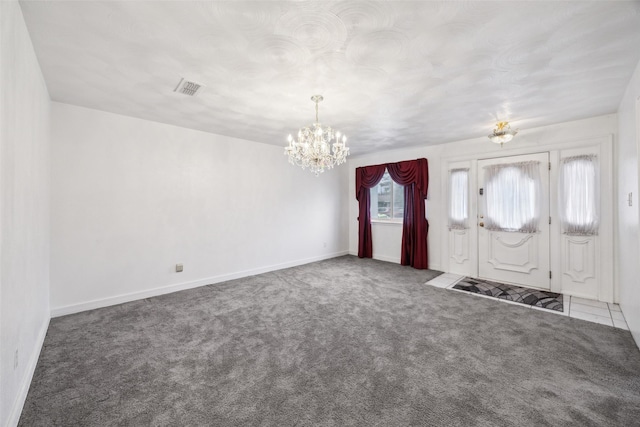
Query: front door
(513,220)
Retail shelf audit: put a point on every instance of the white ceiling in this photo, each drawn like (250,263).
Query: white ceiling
(393,74)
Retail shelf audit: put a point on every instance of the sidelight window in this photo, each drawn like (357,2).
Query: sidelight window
(458,198)
(578,195)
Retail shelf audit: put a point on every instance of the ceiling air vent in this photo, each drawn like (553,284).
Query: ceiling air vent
(188,88)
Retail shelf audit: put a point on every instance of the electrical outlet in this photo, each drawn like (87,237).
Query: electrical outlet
(15,359)
(179,268)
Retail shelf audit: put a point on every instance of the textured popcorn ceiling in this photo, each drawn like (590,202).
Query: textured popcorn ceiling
(393,74)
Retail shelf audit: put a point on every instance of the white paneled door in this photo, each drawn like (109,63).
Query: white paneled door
(513,220)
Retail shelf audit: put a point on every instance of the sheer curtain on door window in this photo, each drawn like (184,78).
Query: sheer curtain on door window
(458,198)
(578,195)
(512,197)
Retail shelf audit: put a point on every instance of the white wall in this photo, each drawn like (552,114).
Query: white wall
(628,233)
(387,237)
(131,198)
(24,211)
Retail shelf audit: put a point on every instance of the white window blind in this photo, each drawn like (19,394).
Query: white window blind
(512,197)
(458,198)
(578,195)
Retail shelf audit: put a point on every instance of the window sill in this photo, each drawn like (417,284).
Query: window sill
(386,222)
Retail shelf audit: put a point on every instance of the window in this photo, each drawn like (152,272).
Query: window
(387,200)
(511,197)
(578,195)
(458,198)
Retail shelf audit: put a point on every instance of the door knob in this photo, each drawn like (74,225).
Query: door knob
(481,224)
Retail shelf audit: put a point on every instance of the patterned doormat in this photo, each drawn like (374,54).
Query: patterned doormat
(527,296)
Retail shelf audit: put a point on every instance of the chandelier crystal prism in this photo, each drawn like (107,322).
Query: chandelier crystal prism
(502,133)
(313,148)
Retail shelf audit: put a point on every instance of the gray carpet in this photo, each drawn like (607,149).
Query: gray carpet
(343,342)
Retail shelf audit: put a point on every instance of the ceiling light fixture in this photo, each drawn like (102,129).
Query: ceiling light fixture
(313,149)
(502,133)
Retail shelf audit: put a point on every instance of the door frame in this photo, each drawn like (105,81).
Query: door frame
(607,286)
(478,219)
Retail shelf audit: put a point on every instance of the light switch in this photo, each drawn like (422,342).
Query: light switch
(179,268)
(630,199)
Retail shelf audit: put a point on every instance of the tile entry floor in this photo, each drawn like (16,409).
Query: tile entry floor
(579,308)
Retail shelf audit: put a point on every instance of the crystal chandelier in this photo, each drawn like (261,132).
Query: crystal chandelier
(502,133)
(313,149)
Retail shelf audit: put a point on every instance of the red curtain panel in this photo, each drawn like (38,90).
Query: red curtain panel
(414,175)
(366,178)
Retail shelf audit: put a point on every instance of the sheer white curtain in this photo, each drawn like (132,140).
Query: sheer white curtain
(578,195)
(458,198)
(512,197)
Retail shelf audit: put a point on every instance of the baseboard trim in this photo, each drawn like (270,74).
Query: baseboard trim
(119,299)
(635,334)
(396,260)
(380,257)
(18,403)
(435,267)
(387,259)
(585,296)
